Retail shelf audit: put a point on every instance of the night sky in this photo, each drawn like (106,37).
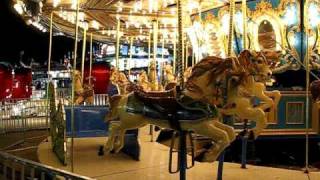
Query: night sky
(16,36)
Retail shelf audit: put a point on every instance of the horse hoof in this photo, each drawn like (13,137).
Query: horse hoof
(101,151)
(243,133)
(251,136)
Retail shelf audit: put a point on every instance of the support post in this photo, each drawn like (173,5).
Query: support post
(244,21)
(117,43)
(84,43)
(174,52)
(48,73)
(307,63)
(225,95)
(182,154)
(73,84)
(91,48)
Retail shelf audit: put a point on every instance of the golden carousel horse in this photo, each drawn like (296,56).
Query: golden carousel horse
(168,75)
(143,81)
(205,85)
(120,80)
(83,93)
(154,84)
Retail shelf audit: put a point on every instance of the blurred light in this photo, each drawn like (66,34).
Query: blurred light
(95,24)
(19,7)
(290,16)
(56,3)
(314,18)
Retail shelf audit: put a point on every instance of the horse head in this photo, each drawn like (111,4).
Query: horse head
(255,63)
(315,90)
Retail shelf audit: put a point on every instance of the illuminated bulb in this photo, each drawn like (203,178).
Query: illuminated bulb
(95,24)
(290,16)
(150,4)
(56,3)
(314,18)
(74,4)
(19,6)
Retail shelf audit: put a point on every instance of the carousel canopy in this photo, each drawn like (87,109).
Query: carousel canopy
(100,16)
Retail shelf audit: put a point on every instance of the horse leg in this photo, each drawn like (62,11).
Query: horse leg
(113,131)
(260,93)
(246,111)
(219,136)
(226,128)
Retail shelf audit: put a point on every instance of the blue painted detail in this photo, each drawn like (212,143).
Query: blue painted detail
(88,121)
(220,166)
(244,152)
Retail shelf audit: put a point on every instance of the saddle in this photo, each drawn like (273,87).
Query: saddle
(166,106)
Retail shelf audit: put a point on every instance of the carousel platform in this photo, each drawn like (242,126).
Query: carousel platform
(153,164)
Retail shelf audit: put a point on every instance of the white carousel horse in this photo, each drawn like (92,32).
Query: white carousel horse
(82,92)
(205,85)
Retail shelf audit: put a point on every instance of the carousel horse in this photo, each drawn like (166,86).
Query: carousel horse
(187,73)
(168,75)
(83,93)
(315,90)
(204,86)
(143,81)
(120,80)
(154,85)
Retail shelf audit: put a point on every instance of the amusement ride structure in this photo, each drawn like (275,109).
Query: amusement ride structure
(217,77)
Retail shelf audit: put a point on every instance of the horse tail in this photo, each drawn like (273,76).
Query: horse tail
(113,111)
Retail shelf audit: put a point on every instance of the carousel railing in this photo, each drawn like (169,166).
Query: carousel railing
(31,114)
(13,167)
(23,115)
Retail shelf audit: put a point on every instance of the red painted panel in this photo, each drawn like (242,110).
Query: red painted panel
(6,82)
(22,83)
(101,76)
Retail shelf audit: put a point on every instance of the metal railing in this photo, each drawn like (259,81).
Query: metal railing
(31,114)
(23,115)
(13,167)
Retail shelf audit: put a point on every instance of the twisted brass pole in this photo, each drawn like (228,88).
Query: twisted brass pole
(179,62)
(231,27)
(244,24)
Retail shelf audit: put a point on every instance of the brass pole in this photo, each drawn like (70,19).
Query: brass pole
(117,43)
(149,49)
(307,29)
(49,69)
(231,28)
(193,58)
(130,57)
(72,91)
(162,52)
(155,40)
(186,55)
(91,49)
(180,44)
(244,23)
(84,43)
(155,50)
(174,52)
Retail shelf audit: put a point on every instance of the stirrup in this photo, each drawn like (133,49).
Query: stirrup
(190,149)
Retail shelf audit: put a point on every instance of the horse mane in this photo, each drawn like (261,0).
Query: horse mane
(216,66)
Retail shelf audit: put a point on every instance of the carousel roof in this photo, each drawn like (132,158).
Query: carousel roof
(100,16)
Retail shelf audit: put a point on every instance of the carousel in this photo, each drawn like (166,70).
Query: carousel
(188,83)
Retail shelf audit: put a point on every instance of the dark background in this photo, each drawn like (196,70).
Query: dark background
(16,36)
